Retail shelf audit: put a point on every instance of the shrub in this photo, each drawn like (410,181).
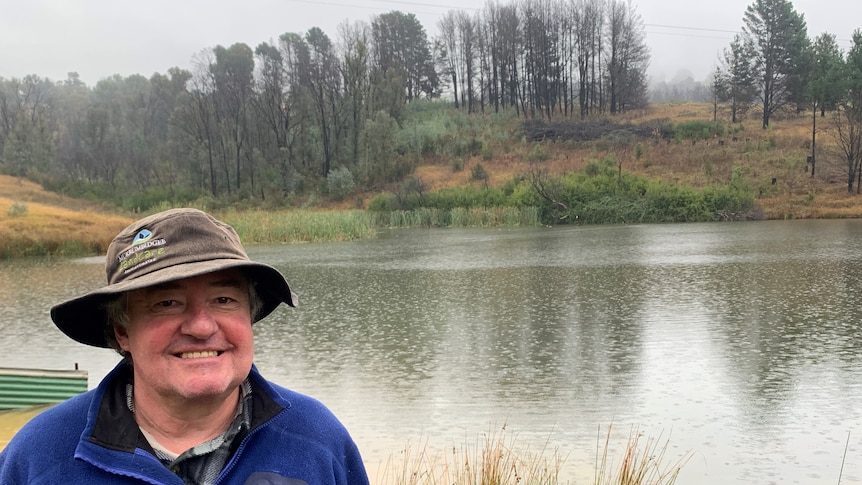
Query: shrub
(699,130)
(537,154)
(17,209)
(382,202)
(479,174)
(339,183)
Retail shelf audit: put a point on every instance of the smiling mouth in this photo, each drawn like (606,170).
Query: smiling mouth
(199,355)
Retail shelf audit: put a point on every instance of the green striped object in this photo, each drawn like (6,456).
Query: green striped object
(21,388)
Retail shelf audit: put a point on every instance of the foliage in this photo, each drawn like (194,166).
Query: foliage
(340,183)
(600,193)
(17,209)
(479,174)
(779,39)
(699,130)
(737,83)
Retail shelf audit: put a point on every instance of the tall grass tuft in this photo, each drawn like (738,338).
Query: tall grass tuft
(493,460)
(640,464)
(460,217)
(266,227)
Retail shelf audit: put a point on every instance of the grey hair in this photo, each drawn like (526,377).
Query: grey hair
(116,311)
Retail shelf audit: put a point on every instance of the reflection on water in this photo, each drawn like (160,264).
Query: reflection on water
(738,342)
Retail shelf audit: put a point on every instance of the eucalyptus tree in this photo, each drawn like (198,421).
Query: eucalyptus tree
(233,76)
(272,108)
(627,57)
(401,43)
(196,118)
(510,46)
(72,101)
(824,83)
(588,26)
(543,53)
(779,36)
(303,145)
(449,48)
(467,56)
(541,56)
(458,33)
(848,117)
(26,138)
(324,85)
(355,41)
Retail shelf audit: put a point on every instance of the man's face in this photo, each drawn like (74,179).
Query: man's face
(191,338)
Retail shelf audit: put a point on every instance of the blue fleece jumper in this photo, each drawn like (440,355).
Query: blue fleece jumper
(93,438)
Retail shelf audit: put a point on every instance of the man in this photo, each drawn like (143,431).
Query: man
(186,404)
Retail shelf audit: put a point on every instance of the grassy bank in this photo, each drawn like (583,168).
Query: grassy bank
(32,229)
(29,228)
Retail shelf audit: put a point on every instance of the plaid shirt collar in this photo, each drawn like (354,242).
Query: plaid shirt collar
(203,463)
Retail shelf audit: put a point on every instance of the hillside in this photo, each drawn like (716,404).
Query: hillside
(773,161)
(34,221)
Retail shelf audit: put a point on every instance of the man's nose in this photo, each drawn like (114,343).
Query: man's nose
(200,322)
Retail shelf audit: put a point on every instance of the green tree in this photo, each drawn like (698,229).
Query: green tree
(400,43)
(741,89)
(25,116)
(779,36)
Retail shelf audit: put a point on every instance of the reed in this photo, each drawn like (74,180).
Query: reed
(493,460)
(461,217)
(496,459)
(640,463)
(279,227)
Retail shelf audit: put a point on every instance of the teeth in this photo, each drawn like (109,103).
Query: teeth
(198,355)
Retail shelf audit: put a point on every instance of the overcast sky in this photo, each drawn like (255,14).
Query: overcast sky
(99,38)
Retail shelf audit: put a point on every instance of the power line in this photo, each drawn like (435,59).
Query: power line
(702,29)
(674,34)
(396,2)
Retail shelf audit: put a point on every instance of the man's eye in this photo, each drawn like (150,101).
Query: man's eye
(224,300)
(166,303)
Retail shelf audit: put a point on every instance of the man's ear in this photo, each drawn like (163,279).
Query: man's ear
(122,336)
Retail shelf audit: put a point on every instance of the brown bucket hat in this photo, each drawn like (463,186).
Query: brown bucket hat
(170,245)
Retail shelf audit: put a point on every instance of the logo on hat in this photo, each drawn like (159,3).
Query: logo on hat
(143,236)
(144,250)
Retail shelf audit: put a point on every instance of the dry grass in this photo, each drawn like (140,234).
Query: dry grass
(53,225)
(495,459)
(640,464)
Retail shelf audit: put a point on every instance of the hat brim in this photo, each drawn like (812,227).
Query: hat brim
(84,318)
